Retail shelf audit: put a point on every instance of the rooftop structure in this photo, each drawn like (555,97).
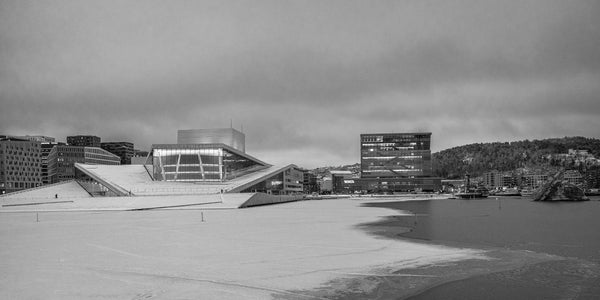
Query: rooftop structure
(227,136)
(84,140)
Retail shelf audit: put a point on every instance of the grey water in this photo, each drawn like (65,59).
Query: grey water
(569,229)
(565,229)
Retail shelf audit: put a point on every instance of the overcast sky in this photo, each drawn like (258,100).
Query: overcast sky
(303,78)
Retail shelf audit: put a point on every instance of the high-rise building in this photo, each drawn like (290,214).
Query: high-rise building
(227,136)
(62,159)
(397,162)
(122,149)
(84,140)
(20,164)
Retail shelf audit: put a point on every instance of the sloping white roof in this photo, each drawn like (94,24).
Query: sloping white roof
(62,190)
(135,179)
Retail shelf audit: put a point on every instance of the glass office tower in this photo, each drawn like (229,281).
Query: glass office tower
(396,155)
(201,162)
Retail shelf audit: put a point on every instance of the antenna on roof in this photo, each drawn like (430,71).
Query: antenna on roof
(231,123)
(242,129)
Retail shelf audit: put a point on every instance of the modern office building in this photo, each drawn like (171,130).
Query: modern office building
(309,182)
(124,150)
(227,136)
(20,164)
(62,160)
(397,162)
(84,141)
(46,148)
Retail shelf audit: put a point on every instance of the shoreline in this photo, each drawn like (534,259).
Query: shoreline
(523,274)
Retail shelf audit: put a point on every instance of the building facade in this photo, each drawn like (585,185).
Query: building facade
(289,181)
(309,182)
(397,162)
(62,159)
(46,148)
(200,162)
(573,177)
(227,136)
(124,150)
(20,164)
(533,181)
(84,141)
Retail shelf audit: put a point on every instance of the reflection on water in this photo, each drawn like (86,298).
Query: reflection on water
(568,229)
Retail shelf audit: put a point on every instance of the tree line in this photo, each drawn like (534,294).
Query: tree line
(476,159)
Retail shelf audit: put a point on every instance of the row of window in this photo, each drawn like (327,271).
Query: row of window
(23,178)
(22,185)
(29,169)
(21,158)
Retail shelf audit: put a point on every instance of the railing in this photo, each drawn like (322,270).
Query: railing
(175,190)
(36,188)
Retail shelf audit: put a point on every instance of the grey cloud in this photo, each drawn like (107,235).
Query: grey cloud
(300,76)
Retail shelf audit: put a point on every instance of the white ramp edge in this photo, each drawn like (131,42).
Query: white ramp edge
(213,201)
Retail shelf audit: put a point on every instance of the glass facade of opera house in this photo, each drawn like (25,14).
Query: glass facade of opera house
(200,162)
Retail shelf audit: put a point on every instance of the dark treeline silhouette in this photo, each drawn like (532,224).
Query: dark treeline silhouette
(476,159)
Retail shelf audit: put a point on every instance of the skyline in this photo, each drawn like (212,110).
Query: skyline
(304,79)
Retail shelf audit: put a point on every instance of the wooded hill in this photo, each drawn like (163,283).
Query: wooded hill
(476,159)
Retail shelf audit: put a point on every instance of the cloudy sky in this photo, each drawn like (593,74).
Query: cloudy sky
(303,78)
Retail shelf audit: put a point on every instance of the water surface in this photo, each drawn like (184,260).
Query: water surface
(567,230)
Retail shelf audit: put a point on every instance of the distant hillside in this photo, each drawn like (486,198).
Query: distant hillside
(477,159)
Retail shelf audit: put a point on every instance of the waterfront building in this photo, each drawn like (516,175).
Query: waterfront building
(573,177)
(227,136)
(309,182)
(342,181)
(124,150)
(62,160)
(533,181)
(493,179)
(84,140)
(175,170)
(592,178)
(20,164)
(397,162)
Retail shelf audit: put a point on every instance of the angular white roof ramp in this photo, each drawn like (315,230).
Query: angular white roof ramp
(241,183)
(109,177)
(135,179)
(65,189)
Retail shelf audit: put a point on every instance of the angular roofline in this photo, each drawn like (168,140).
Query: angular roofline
(246,185)
(207,146)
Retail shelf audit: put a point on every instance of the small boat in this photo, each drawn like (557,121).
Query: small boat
(592,192)
(509,192)
(527,192)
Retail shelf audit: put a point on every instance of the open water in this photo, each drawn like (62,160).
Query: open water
(570,230)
